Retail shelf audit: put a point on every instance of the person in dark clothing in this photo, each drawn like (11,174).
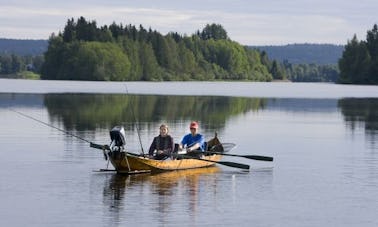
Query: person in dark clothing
(162,144)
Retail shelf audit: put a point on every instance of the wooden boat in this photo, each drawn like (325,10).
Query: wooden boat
(130,163)
(124,162)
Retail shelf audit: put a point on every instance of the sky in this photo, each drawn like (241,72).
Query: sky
(249,22)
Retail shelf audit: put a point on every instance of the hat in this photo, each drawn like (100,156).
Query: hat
(193,124)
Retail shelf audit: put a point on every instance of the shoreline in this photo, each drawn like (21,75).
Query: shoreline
(193,88)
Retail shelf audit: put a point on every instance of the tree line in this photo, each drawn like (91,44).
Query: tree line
(359,62)
(304,62)
(84,51)
(305,53)
(12,63)
(301,72)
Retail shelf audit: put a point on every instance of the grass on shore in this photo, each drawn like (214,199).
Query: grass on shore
(22,75)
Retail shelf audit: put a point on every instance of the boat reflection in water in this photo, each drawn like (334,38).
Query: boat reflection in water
(157,193)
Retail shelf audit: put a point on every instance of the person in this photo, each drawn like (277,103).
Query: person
(162,144)
(193,141)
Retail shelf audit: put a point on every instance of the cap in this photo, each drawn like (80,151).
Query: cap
(193,124)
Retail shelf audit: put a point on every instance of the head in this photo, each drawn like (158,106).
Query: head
(164,130)
(193,127)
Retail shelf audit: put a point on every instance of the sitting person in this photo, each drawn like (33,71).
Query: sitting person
(162,144)
(193,141)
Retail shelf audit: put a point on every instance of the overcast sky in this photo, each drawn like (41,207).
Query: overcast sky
(249,22)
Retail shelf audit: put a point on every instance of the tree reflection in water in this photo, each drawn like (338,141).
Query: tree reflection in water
(361,111)
(167,188)
(82,112)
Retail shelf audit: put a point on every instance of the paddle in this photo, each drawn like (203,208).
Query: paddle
(230,164)
(106,147)
(255,157)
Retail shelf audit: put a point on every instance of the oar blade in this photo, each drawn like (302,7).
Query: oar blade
(230,164)
(233,164)
(258,157)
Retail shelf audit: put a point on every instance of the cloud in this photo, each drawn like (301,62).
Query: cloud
(248,22)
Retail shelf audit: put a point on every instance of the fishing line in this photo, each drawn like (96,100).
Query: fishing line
(49,125)
(136,123)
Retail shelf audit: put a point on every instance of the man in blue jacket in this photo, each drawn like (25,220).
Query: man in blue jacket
(193,141)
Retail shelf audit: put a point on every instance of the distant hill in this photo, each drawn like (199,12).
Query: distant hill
(23,46)
(321,54)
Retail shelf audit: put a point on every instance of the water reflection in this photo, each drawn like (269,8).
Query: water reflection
(361,113)
(88,112)
(167,188)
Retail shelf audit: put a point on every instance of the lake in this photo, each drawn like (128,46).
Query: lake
(323,138)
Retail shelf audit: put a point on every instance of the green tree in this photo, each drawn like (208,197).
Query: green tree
(354,64)
(150,66)
(359,62)
(372,46)
(83,51)
(213,31)
(6,64)
(277,71)
(69,33)
(54,58)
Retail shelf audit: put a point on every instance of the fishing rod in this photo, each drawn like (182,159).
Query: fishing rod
(136,123)
(50,125)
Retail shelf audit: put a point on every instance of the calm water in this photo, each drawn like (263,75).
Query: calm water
(325,169)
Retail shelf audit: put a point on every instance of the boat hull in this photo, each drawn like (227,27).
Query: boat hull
(124,162)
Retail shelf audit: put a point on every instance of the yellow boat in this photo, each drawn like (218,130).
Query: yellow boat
(125,162)
(131,163)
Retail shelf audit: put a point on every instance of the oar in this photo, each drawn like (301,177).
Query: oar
(106,147)
(255,157)
(230,164)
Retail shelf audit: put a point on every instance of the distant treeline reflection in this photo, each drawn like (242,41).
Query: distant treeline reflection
(360,110)
(92,111)
(88,111)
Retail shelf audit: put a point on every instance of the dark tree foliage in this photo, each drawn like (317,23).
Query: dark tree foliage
(277,71)
(213,31)
(85,51)
(359,63)
(311,72)
(12,63)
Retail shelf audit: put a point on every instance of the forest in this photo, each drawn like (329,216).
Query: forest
(84,51)
(19,66)
(359,62)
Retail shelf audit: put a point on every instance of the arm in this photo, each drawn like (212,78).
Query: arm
(170,146)
(198,145)
(183,142)
(152,147)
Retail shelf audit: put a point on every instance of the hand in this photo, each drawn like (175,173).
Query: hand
(188,149)
(160,152)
